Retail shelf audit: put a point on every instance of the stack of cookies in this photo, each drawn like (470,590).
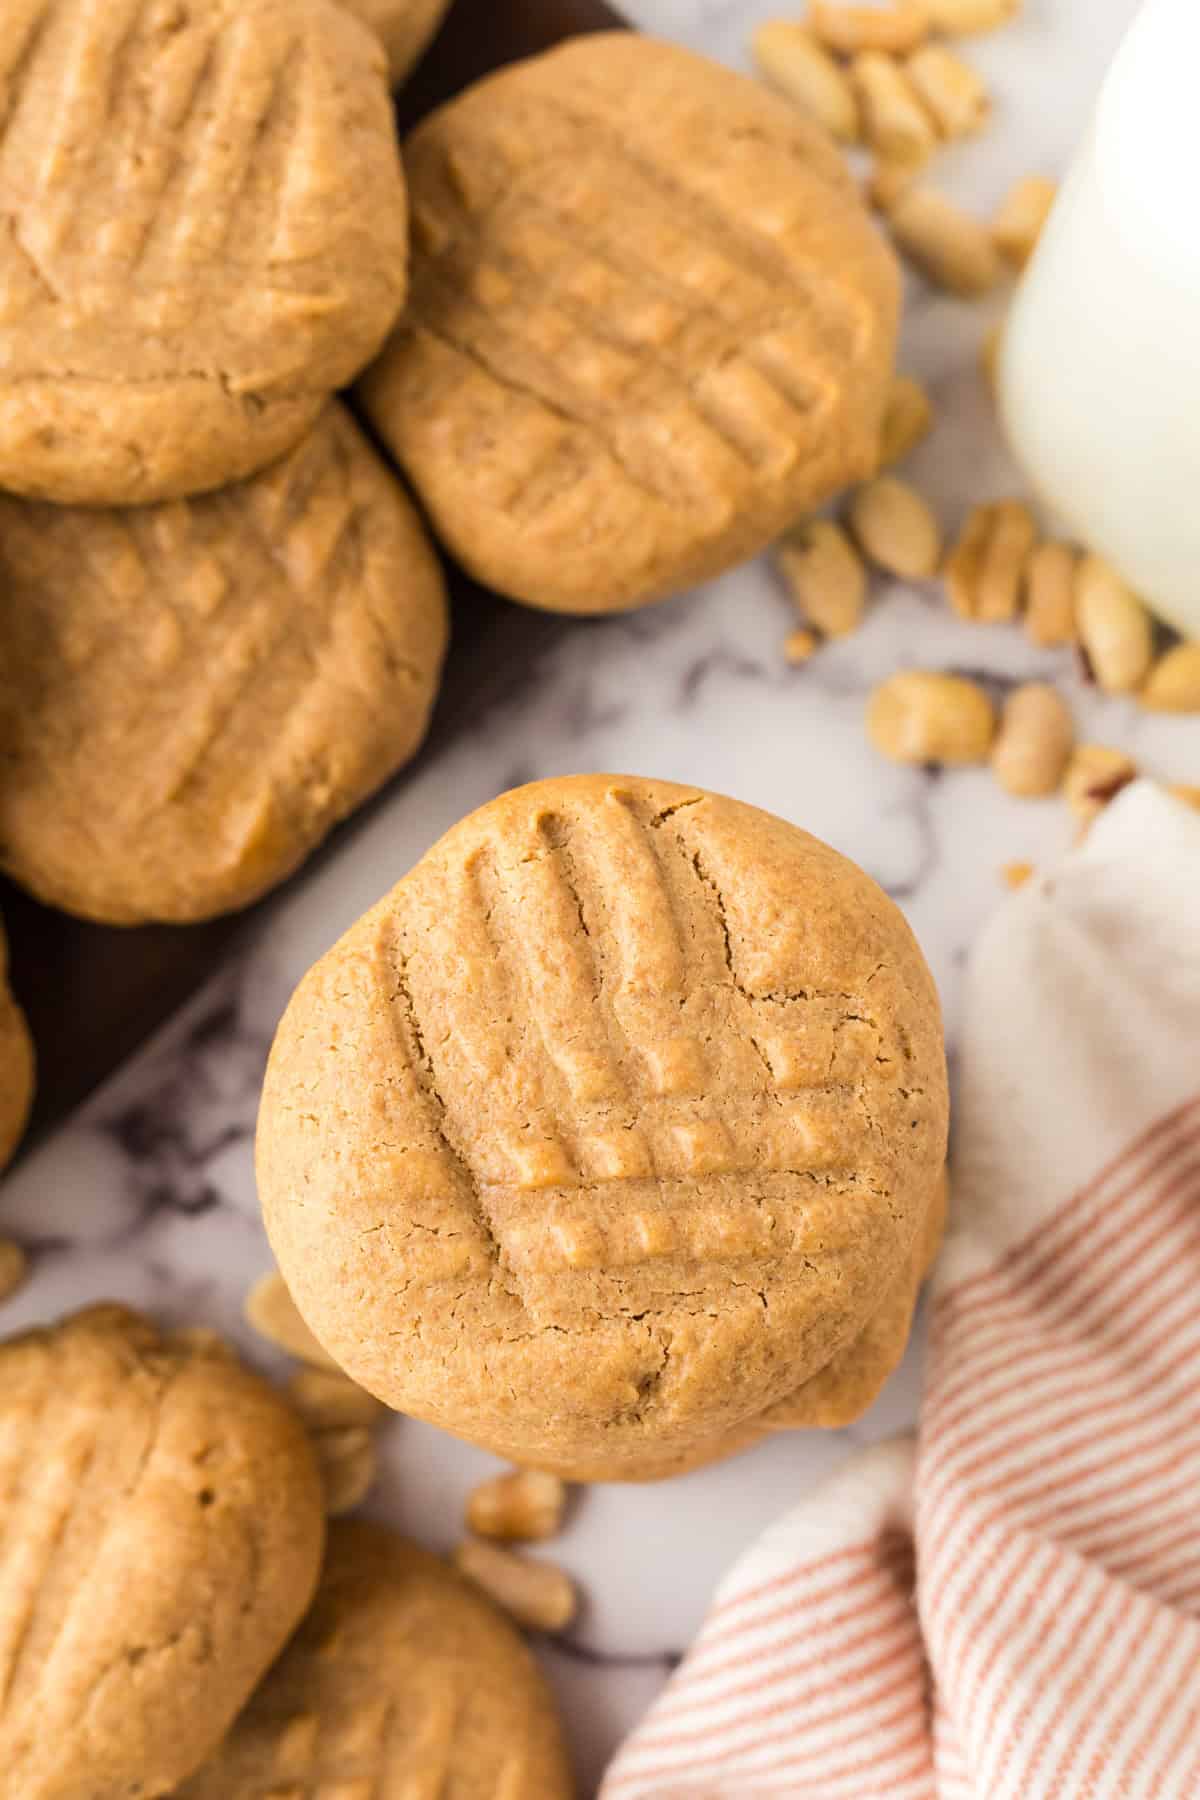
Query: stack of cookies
(612,1138)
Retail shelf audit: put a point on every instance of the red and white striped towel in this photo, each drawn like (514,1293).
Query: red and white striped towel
(1008,1607)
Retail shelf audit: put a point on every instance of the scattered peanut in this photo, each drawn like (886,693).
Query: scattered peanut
(896,528)
(523,1507)
(14,1267)
(800,647)
(1173,684)
(202,1340)
(346,1460)
(951,249)
(1034,743)
(1021,218)
(1016,874)
(1114,627)
(327,1400)
(825,575)
(791,60)
(538,1595)
(907,420)
(895,124)
(985,567)
(989,354)
(954,93)
(270,1309)
(1189,795)
(894,29)
(963,18)
(889,178)
(1050,595)
(918,717)
(1095,775)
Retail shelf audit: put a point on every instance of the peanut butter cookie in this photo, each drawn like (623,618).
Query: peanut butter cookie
(405,28)
(403,1679)
(651,323)
(162,1538)
(611,1125)
(196,692)
(16,1064)
(204,236)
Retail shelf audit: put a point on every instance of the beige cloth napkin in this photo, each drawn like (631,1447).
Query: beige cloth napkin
(1008,1606)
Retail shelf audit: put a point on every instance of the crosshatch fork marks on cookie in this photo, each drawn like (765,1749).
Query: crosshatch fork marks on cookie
(178,148)
(541,282)
(616,1048)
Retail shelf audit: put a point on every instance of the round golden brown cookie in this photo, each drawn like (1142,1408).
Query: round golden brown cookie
(405,27)
(163,1529)
(205,235)
(403,1679)
(611,1124)
(651,323)
(197,691)
(16,1063)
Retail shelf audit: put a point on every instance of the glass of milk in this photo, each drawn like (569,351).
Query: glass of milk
(1100,366)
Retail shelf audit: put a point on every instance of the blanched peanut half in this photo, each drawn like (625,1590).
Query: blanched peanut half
(984,570)
(896,527)
(791,60)
(889,178)
(1114,627)
(524,1507)
(951,249)
(953,92)
(1173,684)
(13,1268)
(1095,775)
(825,576)
(907,420)
(919,717)
(895,124)
(270,1309)
(962,18)
(328,1400)
(1050,595)
(895,29)
(1021,218)
(1034,743)
(347,1463)
(990,347)
(537,1594)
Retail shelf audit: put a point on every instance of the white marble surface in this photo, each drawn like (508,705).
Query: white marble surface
(149,1194)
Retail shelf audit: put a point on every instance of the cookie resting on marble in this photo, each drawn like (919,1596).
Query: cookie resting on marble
(651,324)
(403,1679)
(16,1063)
(163,1532)
(611,1126)
(205,235)
(194,693)
(406,28)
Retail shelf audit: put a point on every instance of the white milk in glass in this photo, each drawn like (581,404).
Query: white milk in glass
(1100,368)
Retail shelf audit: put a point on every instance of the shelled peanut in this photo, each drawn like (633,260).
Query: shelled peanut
(920,716)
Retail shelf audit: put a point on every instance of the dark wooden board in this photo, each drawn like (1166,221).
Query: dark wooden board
(93,993)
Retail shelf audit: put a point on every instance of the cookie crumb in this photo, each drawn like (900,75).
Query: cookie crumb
(1015,875)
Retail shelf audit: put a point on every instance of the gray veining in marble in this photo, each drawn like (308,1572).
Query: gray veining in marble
(148,1195)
